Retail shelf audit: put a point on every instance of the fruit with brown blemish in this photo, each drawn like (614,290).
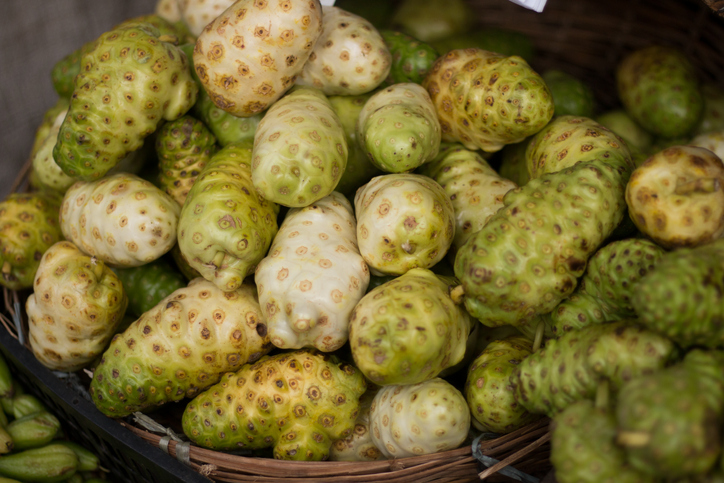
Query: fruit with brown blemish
(568,140)
(358,446)
(419,419)
(133,79)
(530,254)
(297,403)
(683,296)
(225,227)
(570,368)
(604,292)
(408,330)
(300,149)
(398,128)
(488,391)
(251,54)
(404,221)
(179,348)
(168,10)
(659,88)
(359,168)
(313,276)
(197,14)
(183,146)
(411,58)
(28,227)
(618,121)
(148,284)
(350,58)
(486,100)
(474,188)
(46,124)
(120,219)
(226,127)
(676,197)
(77,304)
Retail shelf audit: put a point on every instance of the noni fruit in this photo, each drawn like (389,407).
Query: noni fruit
(77,304)
(179,348)
(297,402)
(313,276)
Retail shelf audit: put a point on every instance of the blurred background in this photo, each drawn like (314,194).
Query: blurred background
(34,35)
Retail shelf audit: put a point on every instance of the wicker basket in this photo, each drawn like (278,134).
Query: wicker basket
(586,38)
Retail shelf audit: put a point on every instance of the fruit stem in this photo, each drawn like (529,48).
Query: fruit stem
(539,331)
(457,294)
(6,267)
(633,439)
(700,185)
(602,393)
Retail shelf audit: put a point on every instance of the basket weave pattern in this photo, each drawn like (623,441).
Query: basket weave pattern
(587,39)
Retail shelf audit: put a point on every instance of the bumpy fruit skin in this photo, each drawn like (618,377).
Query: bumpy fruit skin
(64,71)
(48,177)
(659,89)
(298,402)
(129,83)
(474,188)
(28,227)
(669,422)
(418,419)
(359,168)
(300,150)
(512,104)
(433,19)
(350,58)
(529,255)
(605,291)
(252,53)
(571,96)
(583,447)
(148,284)
(398,128)
(404,221)
(411,58)
(179,348)
(676,197)
(683,296)
(121,219)
(168,10)
(618,121)
(77,304)
(570,368)
(183,146)
(358,446)
(408,330)
(488,392)
(568,140)
(226,127)
(197,14)
(313,276)
(225,227)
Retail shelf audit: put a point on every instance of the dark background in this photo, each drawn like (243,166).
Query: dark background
(34,35)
